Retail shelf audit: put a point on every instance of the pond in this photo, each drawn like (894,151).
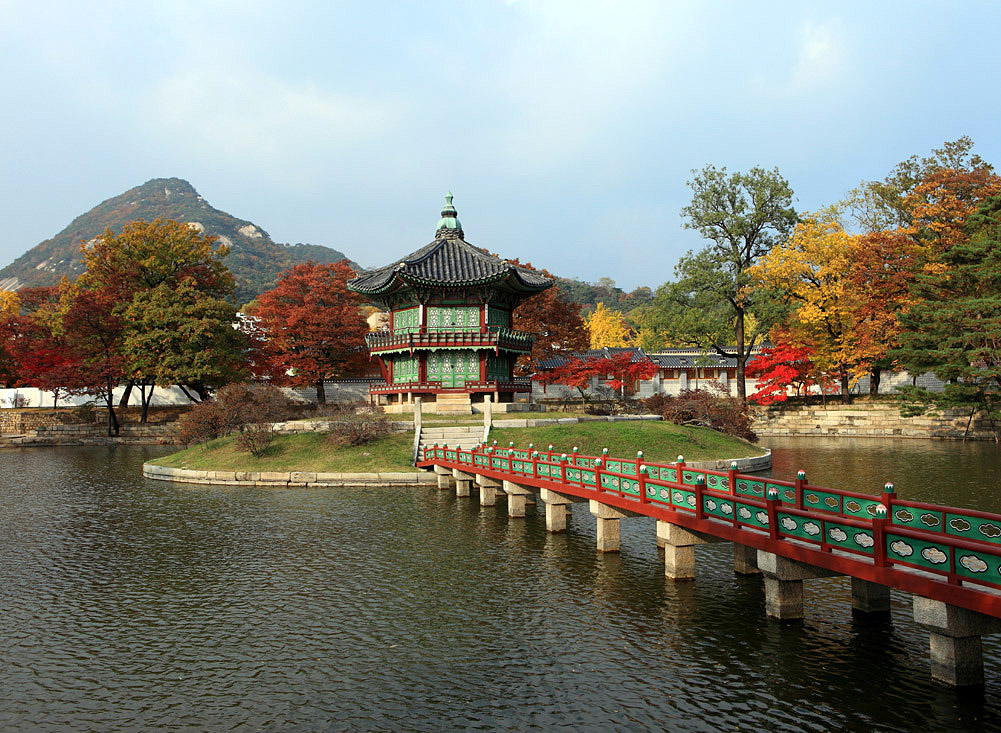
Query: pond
(131,604)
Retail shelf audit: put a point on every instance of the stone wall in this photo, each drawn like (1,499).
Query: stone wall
(286,479)
(862,419)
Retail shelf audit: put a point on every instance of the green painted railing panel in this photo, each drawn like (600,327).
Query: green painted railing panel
(917,518)
(978,566)
(863,508)
(932,555)
(824,500)
(851,538)
(717,483)
(718,507)
(658,493)
(613,466)
(974,528)
(588,477)
(792,526)
(691,476)
(752,515)
(749,487)
(664,474)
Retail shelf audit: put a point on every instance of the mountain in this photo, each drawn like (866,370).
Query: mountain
(254,258)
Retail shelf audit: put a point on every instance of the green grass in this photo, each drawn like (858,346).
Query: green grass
(302,452)
(661,442)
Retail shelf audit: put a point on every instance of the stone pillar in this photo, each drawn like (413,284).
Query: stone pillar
(608,524)
(557,509)
(784,584)
(516,496)
(954,640)
(488,490)
(463,487)
(745,560)
(679,549)
(445,480)
(869,597)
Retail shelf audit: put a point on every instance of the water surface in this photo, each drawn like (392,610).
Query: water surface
(130,604)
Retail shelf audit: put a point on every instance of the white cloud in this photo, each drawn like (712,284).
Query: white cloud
(820,55)
(245,117)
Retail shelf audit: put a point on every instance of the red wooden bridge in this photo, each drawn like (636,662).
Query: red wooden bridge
(948,558)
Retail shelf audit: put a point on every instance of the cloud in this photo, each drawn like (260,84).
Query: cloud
(837,534)
(762,517)
(819,55)
(973,563)
(990,530)
(863,540)
(744,513)
(789,523)
(246,117)
(726,508)
(931,520)
(903,516)
(934,555)
(960,525)
(902,548)
(811,528)
(711,505)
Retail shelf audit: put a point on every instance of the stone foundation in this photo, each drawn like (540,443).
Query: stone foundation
(865,419)
(284,479)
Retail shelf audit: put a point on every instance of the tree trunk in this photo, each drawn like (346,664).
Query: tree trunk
(321,395)
(741,359)
(112,418)
(124,402)
(188,394)
(846,395)
(146,399)
(874,378)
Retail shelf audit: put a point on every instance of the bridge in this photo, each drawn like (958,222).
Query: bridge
(788,531)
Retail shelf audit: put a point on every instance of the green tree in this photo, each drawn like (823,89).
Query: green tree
(953,327)
(743,215)
(179,335)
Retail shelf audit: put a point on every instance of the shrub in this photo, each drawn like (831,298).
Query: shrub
(710,407)
(255,439)
(235,406)
(360,427)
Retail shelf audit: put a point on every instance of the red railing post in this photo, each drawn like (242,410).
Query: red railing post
(700,502)
(731,477)
(799,484)
(597,474)
(887,498)
(641,474)
(681,469)
(772,502)
(879,537)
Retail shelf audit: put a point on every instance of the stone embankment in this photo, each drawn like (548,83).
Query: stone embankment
(865,420)
(91,435)
(287,479)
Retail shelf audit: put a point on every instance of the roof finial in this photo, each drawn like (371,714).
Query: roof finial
(449,218)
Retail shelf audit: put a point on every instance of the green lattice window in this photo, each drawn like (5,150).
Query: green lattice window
(406,321)
(405,369)
(453,319)
(498,367)
(497,318)
(453,367)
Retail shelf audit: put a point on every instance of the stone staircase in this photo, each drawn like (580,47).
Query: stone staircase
(451,435)
(453,403)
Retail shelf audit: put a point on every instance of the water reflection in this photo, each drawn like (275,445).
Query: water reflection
(135,604)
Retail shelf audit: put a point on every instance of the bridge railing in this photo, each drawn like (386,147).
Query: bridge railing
(963,545)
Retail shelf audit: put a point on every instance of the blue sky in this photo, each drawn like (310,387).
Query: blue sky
(566,130)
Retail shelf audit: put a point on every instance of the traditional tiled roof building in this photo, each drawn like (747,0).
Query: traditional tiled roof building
(449,338)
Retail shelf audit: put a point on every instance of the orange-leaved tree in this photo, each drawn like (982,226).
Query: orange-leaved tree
(313,325)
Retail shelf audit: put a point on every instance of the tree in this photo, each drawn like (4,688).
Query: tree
(742,215)
(554,318)
(179,335)
(781,366)
(314,324)
(953,327)
(811,270)
(620,371)
(607,328)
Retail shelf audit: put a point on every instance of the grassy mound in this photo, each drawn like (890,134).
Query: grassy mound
(661,442)
(302,452)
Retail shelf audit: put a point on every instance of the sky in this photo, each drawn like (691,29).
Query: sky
(566,130)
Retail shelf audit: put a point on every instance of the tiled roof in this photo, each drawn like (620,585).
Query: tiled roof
(691,361)
(448,261)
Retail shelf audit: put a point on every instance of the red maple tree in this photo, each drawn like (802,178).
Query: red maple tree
(312,326)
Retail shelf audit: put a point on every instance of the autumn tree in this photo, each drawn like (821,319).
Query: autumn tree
(620,371)
(811,270)
(607,328)
(953,327)
(314,324)
(781,367)
(743,215)
(554,318)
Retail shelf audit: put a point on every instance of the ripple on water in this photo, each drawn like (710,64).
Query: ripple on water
(130,604)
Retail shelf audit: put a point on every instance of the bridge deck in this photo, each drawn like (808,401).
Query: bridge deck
(944,553)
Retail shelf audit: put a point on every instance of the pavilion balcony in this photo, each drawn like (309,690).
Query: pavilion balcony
(499,338)
(488,385)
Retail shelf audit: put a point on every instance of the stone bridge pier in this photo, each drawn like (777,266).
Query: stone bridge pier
(679,549)
(488,489)
(463,482)
(957,656)
(608,524)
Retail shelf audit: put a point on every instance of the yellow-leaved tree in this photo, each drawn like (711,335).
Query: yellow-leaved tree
(607,328)
(811,274)
(10,304)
